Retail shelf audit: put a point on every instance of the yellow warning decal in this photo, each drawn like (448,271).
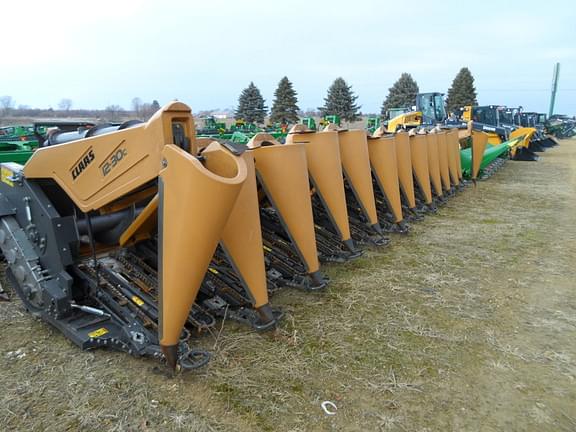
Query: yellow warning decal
(212,270)
(137,300)
(6,175)
(97,333)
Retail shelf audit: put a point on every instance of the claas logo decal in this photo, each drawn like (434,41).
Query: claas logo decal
(82,164)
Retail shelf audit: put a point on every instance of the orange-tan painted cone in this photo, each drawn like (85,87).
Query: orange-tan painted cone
(383,159)
(455,136)
(356,165)
(189,234)
(419,155)
(443,158)
(404,160)
(434,164)
(283,173)
(242,238)
(479,143)
(453,157)
(325,170)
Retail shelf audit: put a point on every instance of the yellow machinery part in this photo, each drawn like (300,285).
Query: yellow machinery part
(356,166)
(419,156)
(453,156)
(524,132)
(144,225)
(195,203)
(383,159)
(404,121)
(479,143)
(467,113)
(95,175)
(434,164)
(493,138)
(242,238)
(283,173)
(325,170)
(443,158)
(404,164)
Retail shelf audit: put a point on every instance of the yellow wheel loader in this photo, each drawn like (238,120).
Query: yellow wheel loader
(109,233)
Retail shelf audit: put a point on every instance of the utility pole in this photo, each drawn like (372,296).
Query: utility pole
(554,89)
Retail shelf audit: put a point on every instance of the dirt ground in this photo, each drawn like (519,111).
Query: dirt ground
(467,324)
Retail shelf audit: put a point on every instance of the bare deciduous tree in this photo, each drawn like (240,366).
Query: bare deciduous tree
(6,103)
(65,104)
(113,112)
(137,107)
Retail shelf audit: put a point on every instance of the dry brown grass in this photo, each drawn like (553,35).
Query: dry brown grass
(467,324)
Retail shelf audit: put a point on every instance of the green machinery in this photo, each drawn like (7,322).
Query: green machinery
(17,150)
(324,121)
(17,143)
(309,122)
(212,127)
(372,124)
(494,157)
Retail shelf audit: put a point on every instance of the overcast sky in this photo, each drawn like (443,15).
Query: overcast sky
(105,52)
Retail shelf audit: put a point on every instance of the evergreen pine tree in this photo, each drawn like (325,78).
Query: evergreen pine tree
(462,92)
(155,106)
(341,101)
(402,94)
(285,108)
(251,106)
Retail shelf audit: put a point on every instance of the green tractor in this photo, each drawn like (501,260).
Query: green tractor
(309,122)
(212,127)
(372,124)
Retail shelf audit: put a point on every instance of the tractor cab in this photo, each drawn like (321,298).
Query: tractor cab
(431,105)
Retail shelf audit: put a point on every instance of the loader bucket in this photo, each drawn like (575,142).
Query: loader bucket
(356,166)
(325,171)
(242,243)
(188,236)
(479,142)
(404,160)
(444,161)
(282,171)
(419,157)
(550,141)
(522,151)
(383,159)
(434,164)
